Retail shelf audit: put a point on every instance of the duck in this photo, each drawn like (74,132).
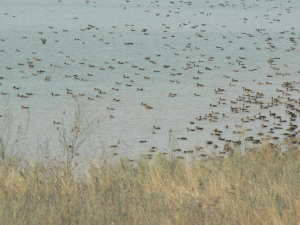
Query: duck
(188,129)
(113,146)
(200,85)
(172,95)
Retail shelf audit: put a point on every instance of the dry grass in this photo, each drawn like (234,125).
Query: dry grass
(254,188)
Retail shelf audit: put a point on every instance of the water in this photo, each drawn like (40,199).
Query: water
(224,29)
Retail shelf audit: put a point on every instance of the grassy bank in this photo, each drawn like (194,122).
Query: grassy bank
(254,188)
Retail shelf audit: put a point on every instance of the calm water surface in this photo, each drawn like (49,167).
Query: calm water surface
(94,33)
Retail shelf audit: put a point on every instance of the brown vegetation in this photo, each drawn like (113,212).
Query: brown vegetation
(253,188)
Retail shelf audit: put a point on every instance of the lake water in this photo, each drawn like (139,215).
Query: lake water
(218,43)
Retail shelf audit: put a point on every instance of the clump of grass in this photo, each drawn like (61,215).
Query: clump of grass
(250,188)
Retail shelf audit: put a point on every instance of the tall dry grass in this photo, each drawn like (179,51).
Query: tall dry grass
(259,187)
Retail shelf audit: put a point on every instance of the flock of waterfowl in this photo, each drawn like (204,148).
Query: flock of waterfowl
(230,102)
